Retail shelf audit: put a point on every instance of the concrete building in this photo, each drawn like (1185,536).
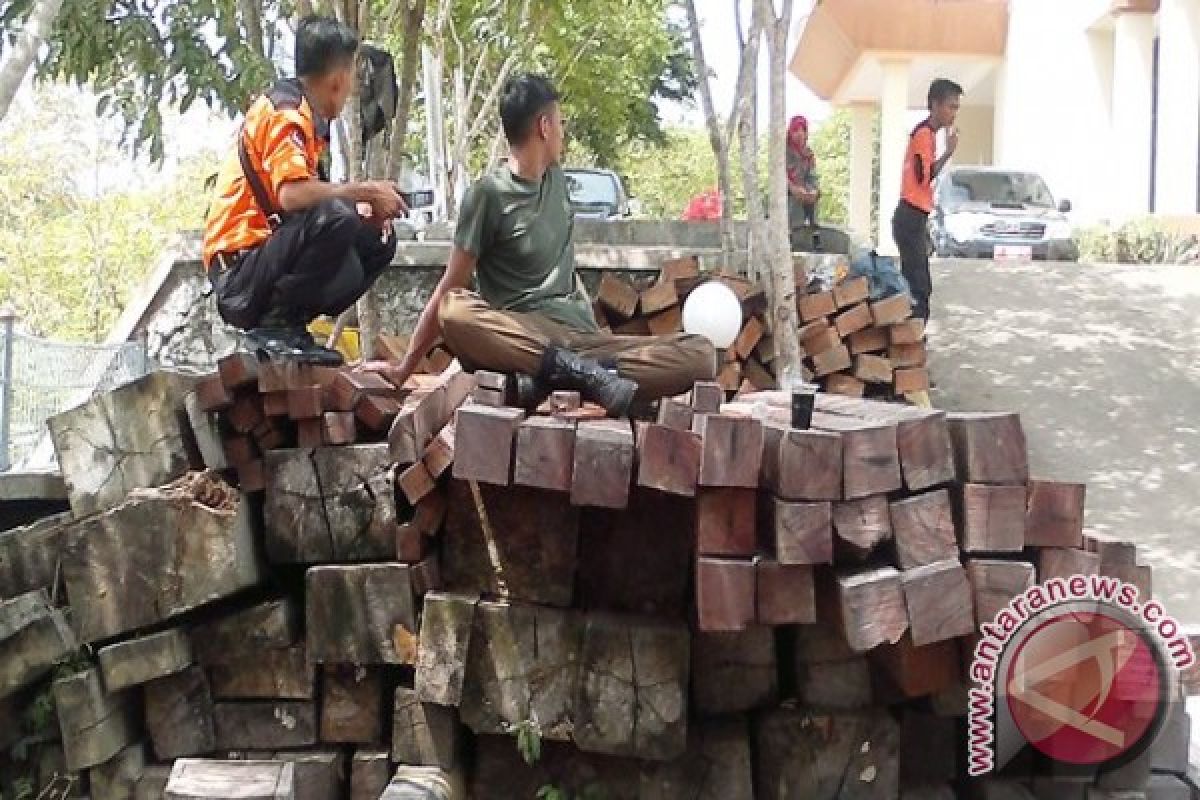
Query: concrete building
(1101,97)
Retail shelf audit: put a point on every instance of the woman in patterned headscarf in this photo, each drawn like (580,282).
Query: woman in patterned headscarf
(803,184)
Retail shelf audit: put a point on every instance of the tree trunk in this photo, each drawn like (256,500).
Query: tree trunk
(435,134)
(367,307)
(782,286)
(24,50)
(414,19)
(756,220)
(251,12)
(719,142)
(745,117)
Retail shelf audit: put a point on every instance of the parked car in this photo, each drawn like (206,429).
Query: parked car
(598,194)
(986,212)
(419,216)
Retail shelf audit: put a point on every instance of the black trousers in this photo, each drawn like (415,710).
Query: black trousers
(319,261)
(911,232)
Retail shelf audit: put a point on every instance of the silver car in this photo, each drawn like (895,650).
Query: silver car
(598,194)
(985,212)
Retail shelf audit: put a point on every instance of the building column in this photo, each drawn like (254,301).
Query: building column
(893,134)
(862,168)
(1132,112)
(1178,107)
(999,115)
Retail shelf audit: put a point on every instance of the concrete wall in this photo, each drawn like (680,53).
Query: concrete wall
(1075,102)
(185,331)
(182,328)
(1055,114)
(975,142)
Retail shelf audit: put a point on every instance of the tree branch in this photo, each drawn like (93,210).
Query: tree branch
(484,109)
(747,71)
(706,99)
(720,143)
(24,50)
(476,77)
(591,38)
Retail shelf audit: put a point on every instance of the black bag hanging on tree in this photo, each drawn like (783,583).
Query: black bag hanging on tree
(378,91)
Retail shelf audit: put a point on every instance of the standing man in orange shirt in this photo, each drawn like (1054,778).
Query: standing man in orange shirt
(921,167)
(282,245)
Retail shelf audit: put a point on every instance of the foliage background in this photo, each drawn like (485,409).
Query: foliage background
(86,213)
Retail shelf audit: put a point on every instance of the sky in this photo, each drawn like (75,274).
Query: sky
(718,34)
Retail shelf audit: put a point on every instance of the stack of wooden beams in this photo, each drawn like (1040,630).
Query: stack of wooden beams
(622,308)
(851,345)
(709,605)
(267,406)
(858,347)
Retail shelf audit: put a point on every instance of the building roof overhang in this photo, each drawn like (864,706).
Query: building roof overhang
(844,43)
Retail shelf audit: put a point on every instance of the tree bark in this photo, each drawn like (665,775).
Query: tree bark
(414,19)
(367,306)
(432,60)
(252,18)
(782,286)
(746,119)
(24,51)
(719,142)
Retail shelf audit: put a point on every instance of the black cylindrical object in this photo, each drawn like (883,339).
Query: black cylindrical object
(802,409)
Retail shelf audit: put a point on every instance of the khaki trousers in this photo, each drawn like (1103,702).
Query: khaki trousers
(509,341)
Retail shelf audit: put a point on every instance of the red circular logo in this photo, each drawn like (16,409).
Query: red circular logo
(1085,688)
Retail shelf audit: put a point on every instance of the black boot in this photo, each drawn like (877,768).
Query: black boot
(314,353)
(271,344)
(530,391)
(282,334)
(562,369)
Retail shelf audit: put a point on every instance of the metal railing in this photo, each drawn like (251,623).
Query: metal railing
(40,378)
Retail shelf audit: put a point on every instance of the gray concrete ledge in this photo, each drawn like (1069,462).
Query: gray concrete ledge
(625,258)
(32,486)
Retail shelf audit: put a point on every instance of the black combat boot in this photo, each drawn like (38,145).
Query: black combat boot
(314,353)
(281,335)
(563,370)
(530,391)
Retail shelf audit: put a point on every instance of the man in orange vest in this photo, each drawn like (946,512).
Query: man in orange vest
(921,167)
(282,245)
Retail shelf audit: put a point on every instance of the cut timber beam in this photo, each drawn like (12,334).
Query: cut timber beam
(159,554)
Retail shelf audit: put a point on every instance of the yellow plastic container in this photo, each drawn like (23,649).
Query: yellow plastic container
(347,344)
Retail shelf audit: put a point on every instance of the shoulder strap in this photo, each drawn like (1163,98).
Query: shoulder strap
(256,184)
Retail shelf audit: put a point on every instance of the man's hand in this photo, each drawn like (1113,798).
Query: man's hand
(369,217)
(951,141)
(394,373)
(386,203)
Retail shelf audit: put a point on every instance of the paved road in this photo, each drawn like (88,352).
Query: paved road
(1103,363)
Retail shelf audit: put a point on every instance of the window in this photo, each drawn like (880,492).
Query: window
(1015,189)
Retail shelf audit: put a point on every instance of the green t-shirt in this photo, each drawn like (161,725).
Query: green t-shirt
(521,232)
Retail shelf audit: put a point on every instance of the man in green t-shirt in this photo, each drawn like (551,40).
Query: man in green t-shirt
(532,315)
